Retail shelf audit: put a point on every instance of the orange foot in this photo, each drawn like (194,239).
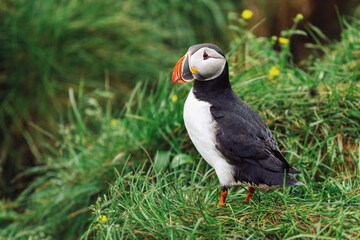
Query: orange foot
(251,192)
(223,198)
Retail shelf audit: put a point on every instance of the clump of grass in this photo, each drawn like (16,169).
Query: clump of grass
(181,203)
(93,145)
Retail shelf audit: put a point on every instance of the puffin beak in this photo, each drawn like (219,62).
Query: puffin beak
(182,73)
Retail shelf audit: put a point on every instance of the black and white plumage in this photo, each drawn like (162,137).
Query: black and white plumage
(228,134)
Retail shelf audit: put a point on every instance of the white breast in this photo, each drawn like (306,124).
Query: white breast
(201,128)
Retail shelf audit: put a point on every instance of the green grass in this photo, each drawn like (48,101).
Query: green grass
(181,203)
(140,170)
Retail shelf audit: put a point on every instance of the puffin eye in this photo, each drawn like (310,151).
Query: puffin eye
(205,55)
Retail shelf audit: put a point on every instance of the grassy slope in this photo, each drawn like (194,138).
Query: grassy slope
(177,199)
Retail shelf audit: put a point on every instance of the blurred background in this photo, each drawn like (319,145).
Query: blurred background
(48,47)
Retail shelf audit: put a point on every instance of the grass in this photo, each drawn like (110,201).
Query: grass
(181,203)
(137,175)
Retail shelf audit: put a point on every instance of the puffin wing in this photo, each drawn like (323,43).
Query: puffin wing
(243,137)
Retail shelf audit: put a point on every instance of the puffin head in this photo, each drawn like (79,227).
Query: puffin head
(202,62)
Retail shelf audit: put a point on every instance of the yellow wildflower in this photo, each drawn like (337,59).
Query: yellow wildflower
(274,38)
(274,71)
(102,218)
(113,122)
(283,40)
(246,14)
(174,98)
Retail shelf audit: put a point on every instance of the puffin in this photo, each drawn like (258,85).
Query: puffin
(229,135)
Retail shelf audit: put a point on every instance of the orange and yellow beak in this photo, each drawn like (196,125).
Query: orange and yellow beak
(182,72)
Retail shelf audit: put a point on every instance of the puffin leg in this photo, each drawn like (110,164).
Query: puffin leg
(224,193)
(251,192)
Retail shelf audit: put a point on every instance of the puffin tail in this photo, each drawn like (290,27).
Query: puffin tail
(291,181)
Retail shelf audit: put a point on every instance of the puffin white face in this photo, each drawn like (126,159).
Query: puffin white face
(207,64)
(203,64)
